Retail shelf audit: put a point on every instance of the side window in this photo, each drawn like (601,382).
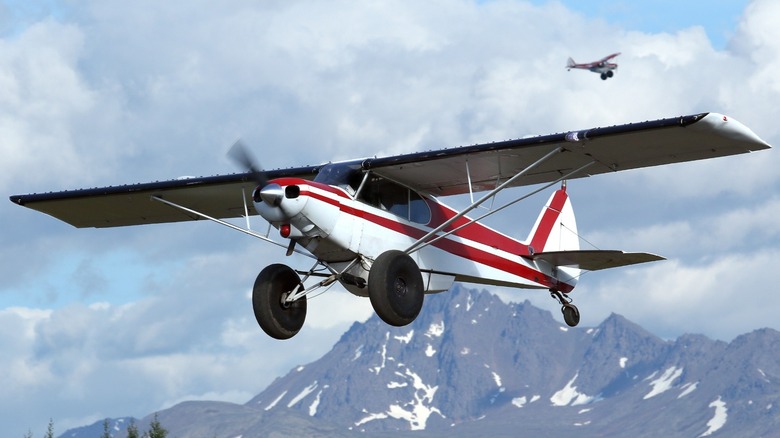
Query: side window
(396,199)
(419,211)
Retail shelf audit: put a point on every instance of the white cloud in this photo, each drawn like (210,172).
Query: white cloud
(110,92)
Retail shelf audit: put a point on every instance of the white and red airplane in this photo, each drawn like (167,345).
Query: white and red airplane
(376,225)
(602,66)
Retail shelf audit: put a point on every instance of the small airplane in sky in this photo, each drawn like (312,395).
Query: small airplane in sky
(602,66)
(378,227)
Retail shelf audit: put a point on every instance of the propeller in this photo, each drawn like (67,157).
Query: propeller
(244,158)
(271,194)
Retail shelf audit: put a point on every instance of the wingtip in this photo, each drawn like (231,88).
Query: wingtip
(729,127)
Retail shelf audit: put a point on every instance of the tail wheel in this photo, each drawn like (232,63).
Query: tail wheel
(571,314)
(278,318)
(395,287)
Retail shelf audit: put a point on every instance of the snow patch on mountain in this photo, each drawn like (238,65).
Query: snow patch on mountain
(273,403)
(383,353)
(358,353)
(435,330)
(719,419)
(416,411)
(405,339)
(497,379)
(687,389)
(315,404)
(394,385)
(519,401)
(371,417)
(663,383)
(570,395)
(306,391)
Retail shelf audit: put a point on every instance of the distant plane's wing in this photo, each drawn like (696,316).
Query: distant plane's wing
(607,58)
(221,197)
(595,260)
(685,138)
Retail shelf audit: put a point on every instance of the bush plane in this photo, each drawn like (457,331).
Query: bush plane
(602,66)
(377,225)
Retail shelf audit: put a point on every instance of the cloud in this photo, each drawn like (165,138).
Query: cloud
(715,297)
(107,93)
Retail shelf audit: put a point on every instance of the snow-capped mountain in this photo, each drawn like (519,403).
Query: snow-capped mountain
(473,365)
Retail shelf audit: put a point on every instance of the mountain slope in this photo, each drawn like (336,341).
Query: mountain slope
(473,365)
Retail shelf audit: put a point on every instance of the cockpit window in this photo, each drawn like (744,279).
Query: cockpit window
(396,199)
(341,175)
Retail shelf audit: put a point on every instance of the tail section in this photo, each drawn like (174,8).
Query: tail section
(570,64)
(556,228)
(555,232)
(554,240)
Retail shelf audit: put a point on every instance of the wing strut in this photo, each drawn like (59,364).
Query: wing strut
(246,209)
(515,201)
(227,224)
(422,241)
(468,177)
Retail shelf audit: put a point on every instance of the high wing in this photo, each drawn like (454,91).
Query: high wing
(622,147)
(440,173)
(607,58)
(222,196)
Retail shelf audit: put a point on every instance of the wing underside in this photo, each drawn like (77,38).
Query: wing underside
(222,197)
(612,149)
(440,173)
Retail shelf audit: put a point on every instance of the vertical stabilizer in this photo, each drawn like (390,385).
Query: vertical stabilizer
(555,228)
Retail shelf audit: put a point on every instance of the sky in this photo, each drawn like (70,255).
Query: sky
(128,321)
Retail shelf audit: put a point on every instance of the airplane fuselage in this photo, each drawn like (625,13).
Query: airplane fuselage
(336,227)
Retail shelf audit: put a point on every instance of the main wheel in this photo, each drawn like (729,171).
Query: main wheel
(604,76)
(571,315)
(279,319)
(395,287)
(610,74)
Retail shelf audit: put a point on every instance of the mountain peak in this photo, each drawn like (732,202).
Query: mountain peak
(473,364)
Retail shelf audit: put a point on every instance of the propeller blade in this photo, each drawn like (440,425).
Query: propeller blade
(244,158)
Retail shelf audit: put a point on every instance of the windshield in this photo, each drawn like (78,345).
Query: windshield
(339,174)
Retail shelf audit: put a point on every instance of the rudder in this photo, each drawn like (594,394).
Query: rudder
(555,228)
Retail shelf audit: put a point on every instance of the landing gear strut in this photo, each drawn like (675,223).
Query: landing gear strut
(570,312)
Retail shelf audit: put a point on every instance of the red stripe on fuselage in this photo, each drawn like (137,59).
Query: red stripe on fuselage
(476,232)
(463,250)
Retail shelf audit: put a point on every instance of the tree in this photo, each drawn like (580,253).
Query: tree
(50,429)
(132,429)
(156,431)
(106,433)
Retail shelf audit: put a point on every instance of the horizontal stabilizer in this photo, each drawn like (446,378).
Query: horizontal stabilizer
(594,260)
